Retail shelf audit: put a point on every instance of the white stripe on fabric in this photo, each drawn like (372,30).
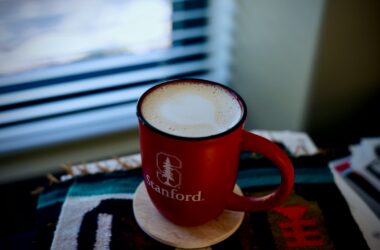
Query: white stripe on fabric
(103,232)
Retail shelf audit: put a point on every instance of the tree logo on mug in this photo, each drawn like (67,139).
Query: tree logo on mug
(168,170)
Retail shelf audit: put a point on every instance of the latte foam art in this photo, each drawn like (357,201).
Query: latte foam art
(191,110)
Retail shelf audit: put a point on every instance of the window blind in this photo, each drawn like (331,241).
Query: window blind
(91,98)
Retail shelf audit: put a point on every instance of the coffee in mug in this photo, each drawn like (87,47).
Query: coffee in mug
(191,110)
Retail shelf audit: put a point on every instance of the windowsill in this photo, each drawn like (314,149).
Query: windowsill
(39,162)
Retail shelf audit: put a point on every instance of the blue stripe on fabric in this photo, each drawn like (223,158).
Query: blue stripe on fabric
(52,197)
(106,186)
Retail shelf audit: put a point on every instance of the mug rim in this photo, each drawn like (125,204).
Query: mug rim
(192,81)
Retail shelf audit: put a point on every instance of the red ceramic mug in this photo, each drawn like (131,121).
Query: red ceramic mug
(190,179)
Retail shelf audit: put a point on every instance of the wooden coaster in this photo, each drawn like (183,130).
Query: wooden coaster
(162,230)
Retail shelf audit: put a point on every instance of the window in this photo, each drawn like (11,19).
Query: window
(78,69)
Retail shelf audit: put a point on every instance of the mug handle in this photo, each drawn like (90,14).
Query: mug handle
(271,151)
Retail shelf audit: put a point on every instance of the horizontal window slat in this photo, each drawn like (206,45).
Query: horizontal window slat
(94,92)
(63,122)
(103,63)
(191,23)
(188,5)
(75,105)
(100,82)
(70,105)
(114,71)
(70,127)
(189,33)
(179,16)
(67,128)
(192,41)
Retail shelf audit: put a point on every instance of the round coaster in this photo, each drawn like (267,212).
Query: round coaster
(164,231)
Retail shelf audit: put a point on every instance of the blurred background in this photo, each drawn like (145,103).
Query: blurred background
(71,72)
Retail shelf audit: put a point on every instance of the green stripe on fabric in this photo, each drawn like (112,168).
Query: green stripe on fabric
(267,177)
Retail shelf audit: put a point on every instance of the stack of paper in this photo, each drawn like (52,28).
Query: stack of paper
(296,143)
(358,177)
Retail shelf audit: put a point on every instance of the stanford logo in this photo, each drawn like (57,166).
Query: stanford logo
(168,167)
(169,174)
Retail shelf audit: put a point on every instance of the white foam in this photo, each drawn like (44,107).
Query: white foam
(191,110)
